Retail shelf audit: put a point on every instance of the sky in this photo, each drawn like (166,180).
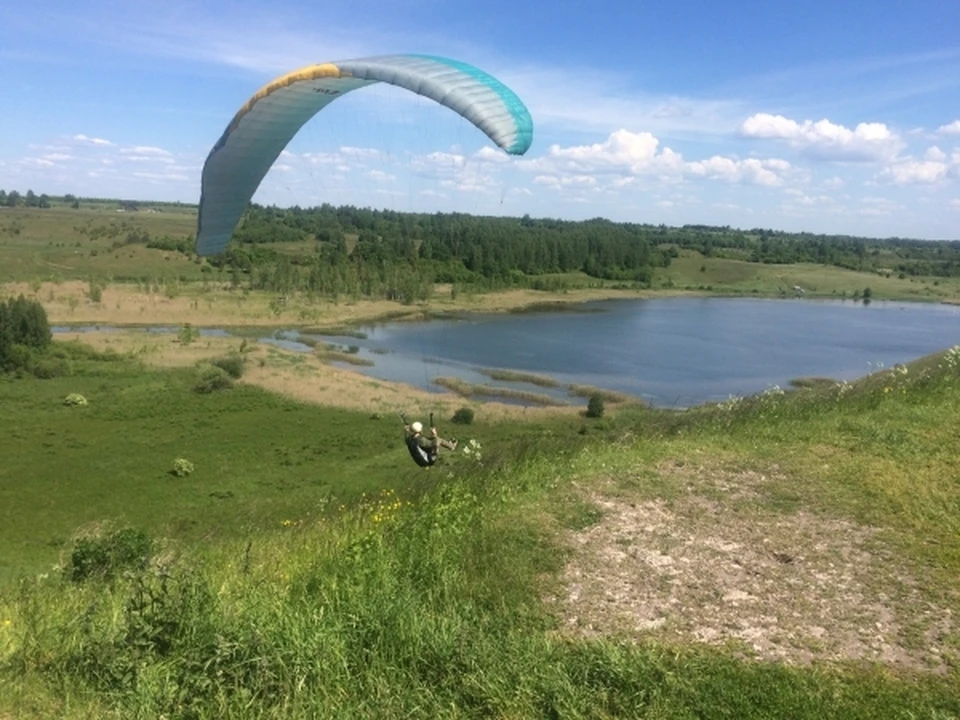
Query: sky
(824,116)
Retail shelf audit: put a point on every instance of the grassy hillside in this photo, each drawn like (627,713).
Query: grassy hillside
(93,242)
(693,271)
(788,555)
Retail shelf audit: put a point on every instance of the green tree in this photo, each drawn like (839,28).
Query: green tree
(595,406)
(23,327)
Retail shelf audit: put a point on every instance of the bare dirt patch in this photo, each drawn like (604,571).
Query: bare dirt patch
(793,587)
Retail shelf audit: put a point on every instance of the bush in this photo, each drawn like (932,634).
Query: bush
(232,364)
(213,378)
(463,416)
(182,467)
(74,399)
(107,556)
(187,334)
(23,324)
(45,367)
(595,406)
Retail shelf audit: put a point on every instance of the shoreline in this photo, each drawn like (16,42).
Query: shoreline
(126,306)
(306,377)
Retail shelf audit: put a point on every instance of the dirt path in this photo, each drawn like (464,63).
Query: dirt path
(714,567)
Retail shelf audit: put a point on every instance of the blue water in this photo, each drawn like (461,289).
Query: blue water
(672,352)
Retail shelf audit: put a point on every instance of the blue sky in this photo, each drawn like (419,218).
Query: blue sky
(834,117)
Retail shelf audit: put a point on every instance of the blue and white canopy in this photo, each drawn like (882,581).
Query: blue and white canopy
(268,121)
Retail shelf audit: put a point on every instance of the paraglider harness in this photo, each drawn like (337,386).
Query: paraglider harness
(421,456)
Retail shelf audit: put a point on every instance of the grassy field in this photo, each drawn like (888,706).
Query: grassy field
(788,555)
(694,272)
(62,243)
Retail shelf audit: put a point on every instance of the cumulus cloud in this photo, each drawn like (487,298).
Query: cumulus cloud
(950,128)
(621,150)
(626,155)
(907,172)
(955,203)
(751,170)
(489,154)
(826,140)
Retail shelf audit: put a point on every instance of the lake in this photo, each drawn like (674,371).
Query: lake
(672,352)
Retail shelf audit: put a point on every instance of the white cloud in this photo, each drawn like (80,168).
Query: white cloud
(826,140)
(627,155)
(751,170)
(935,154)
(955,203)
(489,154)
(950,129)
(91,140)
(622,150)
(552,181)
(878,206)
(908,172)
(366,153)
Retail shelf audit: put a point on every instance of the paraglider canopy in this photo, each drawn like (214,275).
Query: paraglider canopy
(269,120)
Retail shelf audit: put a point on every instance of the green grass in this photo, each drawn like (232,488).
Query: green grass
(422,596)
(260,459)
(693,271)
(62,243)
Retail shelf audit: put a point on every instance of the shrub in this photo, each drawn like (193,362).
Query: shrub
(74,399)
(23,323)
(107,556)
(187,334)
(45,367)
(213,378)
(232,364)
(463,416)
(94,292)
(182,467)
(595,406)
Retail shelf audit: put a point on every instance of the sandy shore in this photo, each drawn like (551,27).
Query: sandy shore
(70,303)
(303,376)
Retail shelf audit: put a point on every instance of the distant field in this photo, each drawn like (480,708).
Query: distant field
(65,243)
(693,271)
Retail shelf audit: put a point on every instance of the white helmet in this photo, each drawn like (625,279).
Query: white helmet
(417,427)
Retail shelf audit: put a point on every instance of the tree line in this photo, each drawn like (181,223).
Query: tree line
(387,253)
